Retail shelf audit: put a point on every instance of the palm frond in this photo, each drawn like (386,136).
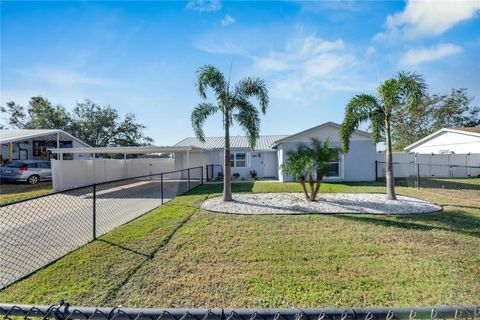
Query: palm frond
(357,111)
(377,124)
(298,163)
(199,115)
(413,88)
(210,76)
(248,118)
(253,87)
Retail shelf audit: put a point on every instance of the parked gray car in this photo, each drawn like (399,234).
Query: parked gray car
(31,171)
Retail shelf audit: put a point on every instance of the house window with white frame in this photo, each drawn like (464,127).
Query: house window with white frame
(334,168)
(238,160)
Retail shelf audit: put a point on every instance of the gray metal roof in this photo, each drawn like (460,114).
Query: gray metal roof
(263,142)
(13,135)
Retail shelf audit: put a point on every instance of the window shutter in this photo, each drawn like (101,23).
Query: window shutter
(247,155)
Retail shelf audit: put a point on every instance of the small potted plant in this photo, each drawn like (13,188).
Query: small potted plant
(219,176)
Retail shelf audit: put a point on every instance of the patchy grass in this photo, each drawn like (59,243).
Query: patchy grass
(10,192)
(181,256)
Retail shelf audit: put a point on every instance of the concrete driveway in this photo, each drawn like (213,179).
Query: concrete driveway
(37,232)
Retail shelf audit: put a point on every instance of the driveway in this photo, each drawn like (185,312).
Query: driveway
(36,232)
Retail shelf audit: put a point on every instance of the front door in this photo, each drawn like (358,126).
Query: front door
(257,163)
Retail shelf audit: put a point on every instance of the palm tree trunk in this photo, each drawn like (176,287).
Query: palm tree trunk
(317,187)
(389,160)
(304,188)
(312,186)
(227,176)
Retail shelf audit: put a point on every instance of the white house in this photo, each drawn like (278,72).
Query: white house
(26,144)
(272,151)
(444,141)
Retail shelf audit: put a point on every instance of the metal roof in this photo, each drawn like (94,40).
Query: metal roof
(14,135)
(236,142)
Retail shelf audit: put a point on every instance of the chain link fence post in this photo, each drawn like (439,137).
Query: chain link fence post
(418,176)
(94,197)
(188,179)
(161,188)
(201,176)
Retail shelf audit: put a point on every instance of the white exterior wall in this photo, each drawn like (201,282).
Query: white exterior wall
(448,142)
(258,163)
(357,165)
(68,174)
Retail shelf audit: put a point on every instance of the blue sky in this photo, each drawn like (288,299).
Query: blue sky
(141,57)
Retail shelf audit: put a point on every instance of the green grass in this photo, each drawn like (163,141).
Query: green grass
(10,192)
(181,256)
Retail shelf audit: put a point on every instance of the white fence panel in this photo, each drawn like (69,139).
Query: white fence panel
(68,174)
(432,165)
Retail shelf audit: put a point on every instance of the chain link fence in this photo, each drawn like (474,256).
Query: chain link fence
(419,175)
(64,312)
(214,172)
(35,232)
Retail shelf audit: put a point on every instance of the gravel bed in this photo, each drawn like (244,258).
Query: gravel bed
(295,203)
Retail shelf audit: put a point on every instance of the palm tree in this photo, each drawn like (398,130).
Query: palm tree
(310,160)
(406,89)
(234,105)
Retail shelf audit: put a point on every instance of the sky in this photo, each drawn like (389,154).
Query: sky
(141,57)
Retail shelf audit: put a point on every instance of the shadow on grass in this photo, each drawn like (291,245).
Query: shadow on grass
(146,255)
(457,221)
(218,188)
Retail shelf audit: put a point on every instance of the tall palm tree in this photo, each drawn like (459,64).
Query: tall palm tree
(234,104)
(406,89)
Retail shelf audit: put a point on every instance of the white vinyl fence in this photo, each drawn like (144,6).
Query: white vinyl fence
(432,165)
(68,174)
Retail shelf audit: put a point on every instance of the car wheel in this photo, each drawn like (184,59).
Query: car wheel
(33,179)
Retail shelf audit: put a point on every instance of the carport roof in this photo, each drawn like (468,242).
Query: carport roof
(14,135)
(127,150)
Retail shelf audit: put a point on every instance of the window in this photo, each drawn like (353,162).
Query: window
(333,168)
(238,160)
(44,165)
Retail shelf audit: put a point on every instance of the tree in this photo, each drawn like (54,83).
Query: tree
(309,161)
(453,110)
(102,126)
(406,90)
(99,126)
(234,105)
(40,114)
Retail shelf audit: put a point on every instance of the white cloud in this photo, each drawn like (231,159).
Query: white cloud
(227,20)
(371,50)
(204,5)
(307,67)
(429,18)
(420,55)
(64,78)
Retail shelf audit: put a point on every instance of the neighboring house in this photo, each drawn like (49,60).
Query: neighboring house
(271,152)
(28,144)
(443,141)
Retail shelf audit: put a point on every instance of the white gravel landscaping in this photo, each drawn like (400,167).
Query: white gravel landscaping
(295,203)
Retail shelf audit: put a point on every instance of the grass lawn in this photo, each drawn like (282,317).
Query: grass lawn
(10,192)
(181,256)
